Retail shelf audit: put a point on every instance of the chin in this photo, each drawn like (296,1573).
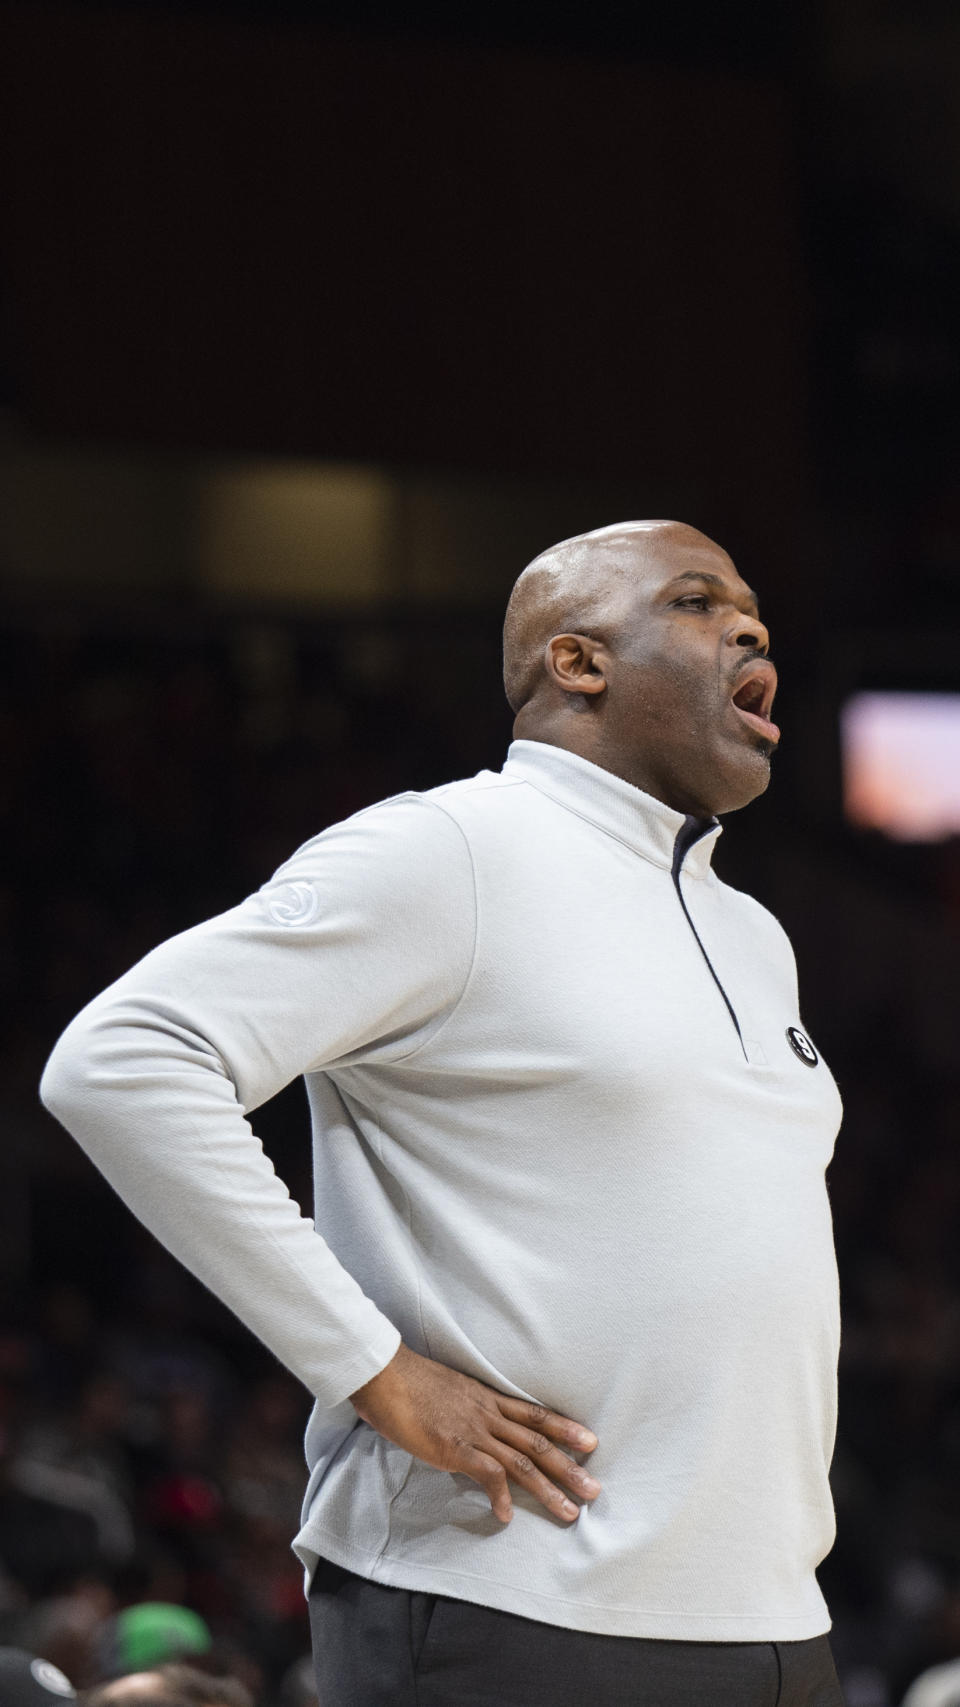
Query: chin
(747,783)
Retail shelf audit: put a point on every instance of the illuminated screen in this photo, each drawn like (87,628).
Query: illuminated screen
(901,764)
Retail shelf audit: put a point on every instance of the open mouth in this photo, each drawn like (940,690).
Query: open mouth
(753,698)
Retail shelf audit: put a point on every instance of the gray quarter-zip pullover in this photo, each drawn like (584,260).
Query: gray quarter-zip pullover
(569,1137)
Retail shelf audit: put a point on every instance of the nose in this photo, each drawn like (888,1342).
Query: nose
(751,632)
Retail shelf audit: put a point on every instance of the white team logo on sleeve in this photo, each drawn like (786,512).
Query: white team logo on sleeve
(293,904)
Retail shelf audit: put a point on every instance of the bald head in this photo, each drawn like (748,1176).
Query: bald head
(582,585)
(627,646)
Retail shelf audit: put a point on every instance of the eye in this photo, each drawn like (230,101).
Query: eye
(692,601)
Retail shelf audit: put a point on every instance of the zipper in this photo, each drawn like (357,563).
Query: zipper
(691,832)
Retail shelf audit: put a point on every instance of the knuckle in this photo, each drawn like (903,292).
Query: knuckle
(537,1414)
(453,1452)
(539,1444)
(522,1465)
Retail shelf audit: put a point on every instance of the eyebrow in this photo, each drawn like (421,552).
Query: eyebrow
(712,581)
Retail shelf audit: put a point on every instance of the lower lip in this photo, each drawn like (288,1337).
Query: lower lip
(762,725)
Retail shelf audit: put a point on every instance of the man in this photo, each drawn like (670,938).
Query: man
(570,1143)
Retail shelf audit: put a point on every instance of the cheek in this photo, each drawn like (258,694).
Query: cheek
(671,685)
(681,694)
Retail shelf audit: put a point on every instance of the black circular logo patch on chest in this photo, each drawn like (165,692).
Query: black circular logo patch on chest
(802,1046)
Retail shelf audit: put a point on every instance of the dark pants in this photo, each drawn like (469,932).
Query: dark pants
(390,1647)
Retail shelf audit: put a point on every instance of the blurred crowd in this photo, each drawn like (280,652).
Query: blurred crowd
(142,1471)
(151,1471)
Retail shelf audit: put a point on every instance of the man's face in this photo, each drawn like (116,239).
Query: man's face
(688,688)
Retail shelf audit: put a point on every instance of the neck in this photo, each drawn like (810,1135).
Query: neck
(580,734)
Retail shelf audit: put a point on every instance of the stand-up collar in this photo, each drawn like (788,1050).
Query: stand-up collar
(654,830)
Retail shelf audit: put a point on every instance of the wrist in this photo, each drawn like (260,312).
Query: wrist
(383,1380)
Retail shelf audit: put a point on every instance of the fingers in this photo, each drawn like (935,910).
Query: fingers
(542,1421)
(452,1422)
(520,1468)
(541,1455)
(500,1462)
(492,1478)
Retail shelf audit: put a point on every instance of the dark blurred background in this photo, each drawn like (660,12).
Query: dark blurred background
(316,323)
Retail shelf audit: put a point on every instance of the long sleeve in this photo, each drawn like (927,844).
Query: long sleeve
(357,950)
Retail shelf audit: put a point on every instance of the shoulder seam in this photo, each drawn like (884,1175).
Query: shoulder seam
(476,940)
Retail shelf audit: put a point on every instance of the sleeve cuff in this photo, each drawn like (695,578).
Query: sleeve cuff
(332,1388)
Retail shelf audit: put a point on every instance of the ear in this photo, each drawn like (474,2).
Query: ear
(574,663)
